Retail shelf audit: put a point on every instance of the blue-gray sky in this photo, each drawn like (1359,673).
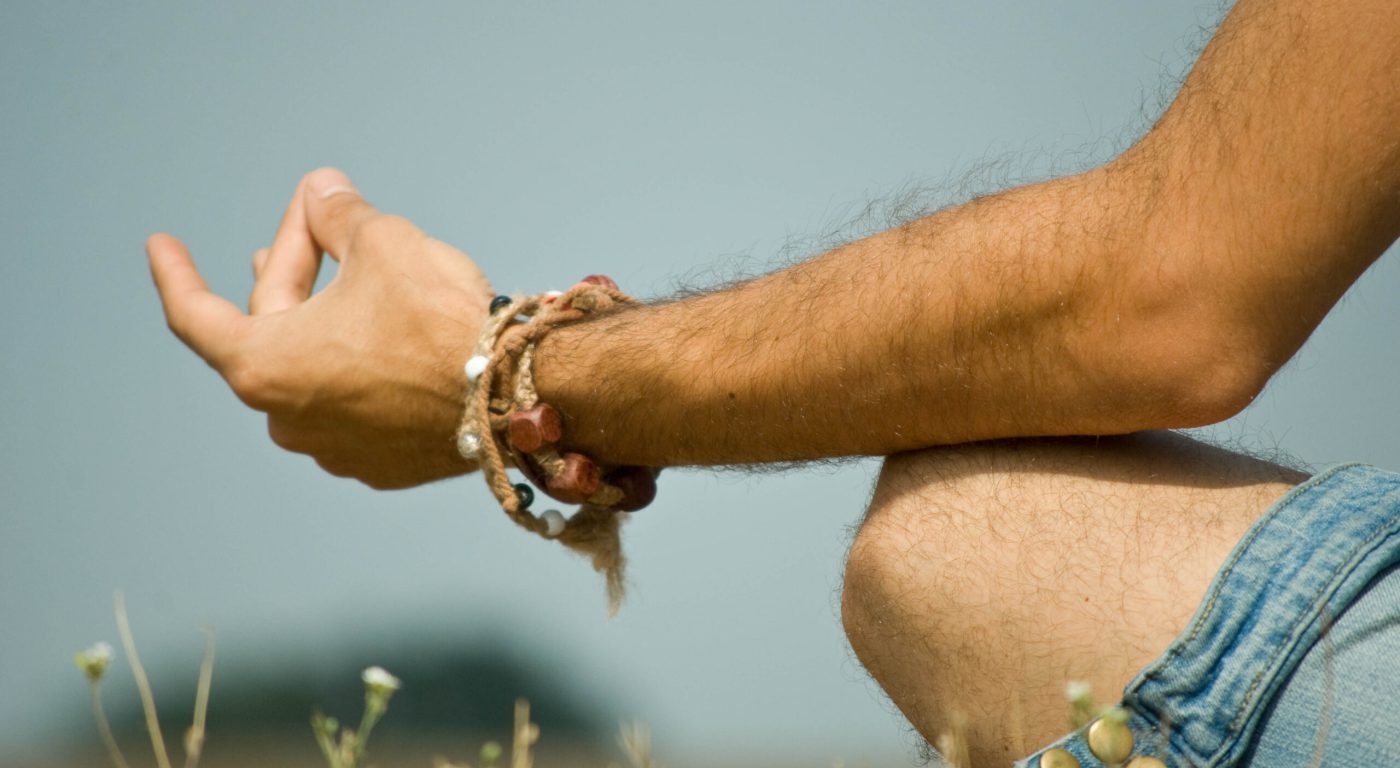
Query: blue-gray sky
(649,141)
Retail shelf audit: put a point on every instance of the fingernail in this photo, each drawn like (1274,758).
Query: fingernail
(325,182)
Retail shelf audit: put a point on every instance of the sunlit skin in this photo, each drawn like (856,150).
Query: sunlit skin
(1162,289)
(986,577)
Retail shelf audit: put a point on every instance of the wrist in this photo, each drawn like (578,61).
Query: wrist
(571,374)
(507,424)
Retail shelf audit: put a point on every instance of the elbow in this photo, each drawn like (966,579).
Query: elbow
(1187,346)
(1198,373)
(1191,337)
(1217,388)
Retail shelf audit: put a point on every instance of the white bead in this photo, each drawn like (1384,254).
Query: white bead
(554,294)
(553,522)
(469,445)
(476,366)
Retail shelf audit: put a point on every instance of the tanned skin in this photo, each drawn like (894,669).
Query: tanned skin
(1161,289)
(987,576)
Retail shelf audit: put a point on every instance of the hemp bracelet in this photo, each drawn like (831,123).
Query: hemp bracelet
(505,424)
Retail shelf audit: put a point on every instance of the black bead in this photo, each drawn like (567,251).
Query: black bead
(499,302)
(526,494)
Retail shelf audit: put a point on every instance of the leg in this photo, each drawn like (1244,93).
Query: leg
(987,576)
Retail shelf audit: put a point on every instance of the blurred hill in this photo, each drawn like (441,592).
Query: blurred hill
(454,698)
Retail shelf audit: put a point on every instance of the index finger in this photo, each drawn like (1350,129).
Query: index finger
(207,323)
(288,272)
(334,210)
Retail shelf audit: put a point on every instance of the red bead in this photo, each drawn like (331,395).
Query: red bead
(577,480)
(602,280)
(638,485)
(530,429)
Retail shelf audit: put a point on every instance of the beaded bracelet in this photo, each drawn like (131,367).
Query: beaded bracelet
(505,424)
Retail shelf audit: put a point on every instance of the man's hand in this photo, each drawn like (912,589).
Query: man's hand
(365,376)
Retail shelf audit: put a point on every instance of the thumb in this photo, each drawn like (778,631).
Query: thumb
(207,323)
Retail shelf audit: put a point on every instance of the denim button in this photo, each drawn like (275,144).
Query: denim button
(1058,758)
(1110,740)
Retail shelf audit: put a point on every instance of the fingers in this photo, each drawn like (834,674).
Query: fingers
(207,323)
(288,270)
(259,261)
(334,210)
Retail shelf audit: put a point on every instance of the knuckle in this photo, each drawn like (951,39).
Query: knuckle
(378,483)
(172,321)
(333,467)
(253,384)
(177,321)
(284,435)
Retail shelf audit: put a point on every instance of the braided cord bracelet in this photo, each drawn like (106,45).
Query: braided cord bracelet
(505,424)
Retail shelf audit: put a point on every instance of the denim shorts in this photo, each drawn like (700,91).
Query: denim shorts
(1293,657)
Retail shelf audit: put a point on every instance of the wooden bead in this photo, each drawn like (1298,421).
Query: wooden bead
(538,426)
(1146,762)
(601,280)
(577,480)
(638,485)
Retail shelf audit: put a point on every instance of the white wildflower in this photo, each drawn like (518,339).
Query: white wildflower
(1078,690)
(95,660)
(380,682)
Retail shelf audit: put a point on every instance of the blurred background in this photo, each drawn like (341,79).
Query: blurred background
(664,144)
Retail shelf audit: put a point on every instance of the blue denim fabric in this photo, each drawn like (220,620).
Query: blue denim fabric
(1296,644)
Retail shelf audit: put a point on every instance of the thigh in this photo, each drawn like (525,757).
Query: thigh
(985,577)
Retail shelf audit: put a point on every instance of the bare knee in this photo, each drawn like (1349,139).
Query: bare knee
(986,576)
(919,607)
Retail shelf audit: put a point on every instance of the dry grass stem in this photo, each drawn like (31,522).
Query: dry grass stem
(194,737)
(525,736)
(635,740)
(148,701)
(952,743)
(105,728)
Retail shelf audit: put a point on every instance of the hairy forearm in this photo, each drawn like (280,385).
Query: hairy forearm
(1161,290)
(964,325)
